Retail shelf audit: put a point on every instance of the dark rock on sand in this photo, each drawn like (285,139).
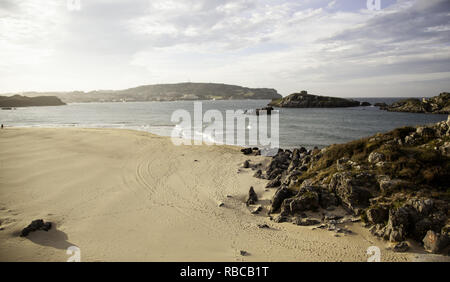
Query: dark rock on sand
(247,151)
(244,253)
(281,219)
(401,247)
(36,225)
(258,174)
(306,221)
(252,197)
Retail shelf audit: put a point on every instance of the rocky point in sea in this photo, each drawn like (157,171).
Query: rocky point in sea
(305,100)
(434,105)
(395,182)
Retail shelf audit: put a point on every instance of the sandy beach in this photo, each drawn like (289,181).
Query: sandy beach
(122,195)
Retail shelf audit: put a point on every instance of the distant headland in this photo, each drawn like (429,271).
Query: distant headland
(165,92)
(22,101)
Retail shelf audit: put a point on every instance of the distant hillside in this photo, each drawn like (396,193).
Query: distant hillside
(435,105)
(167,92)
(22,101)
(305,100)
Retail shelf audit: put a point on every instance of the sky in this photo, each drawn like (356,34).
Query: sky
(343,48)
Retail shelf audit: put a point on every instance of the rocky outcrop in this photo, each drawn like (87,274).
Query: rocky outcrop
(435,105)
(353,190)
(396,182)
(305,100)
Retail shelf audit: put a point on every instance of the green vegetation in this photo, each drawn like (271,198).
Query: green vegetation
(419,164)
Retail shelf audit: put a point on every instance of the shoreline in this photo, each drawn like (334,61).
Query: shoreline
(126,195)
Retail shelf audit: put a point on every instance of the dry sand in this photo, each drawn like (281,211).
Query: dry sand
(122,195)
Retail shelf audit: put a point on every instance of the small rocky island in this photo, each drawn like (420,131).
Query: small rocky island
(434,105)
(23,101)
(396,183)
(305,100)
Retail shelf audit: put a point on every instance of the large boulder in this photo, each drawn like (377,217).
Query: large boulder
(376,157)
(306,201)
(377,214)
(276,182)
(388,185)
(279,163)
(280,195)
(354,191)
(274,173)
(292,177)
(425,132)
(400,223)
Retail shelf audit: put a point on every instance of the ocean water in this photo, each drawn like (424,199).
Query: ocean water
(297,127)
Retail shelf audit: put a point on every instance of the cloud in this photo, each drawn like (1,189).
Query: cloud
(328,47)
